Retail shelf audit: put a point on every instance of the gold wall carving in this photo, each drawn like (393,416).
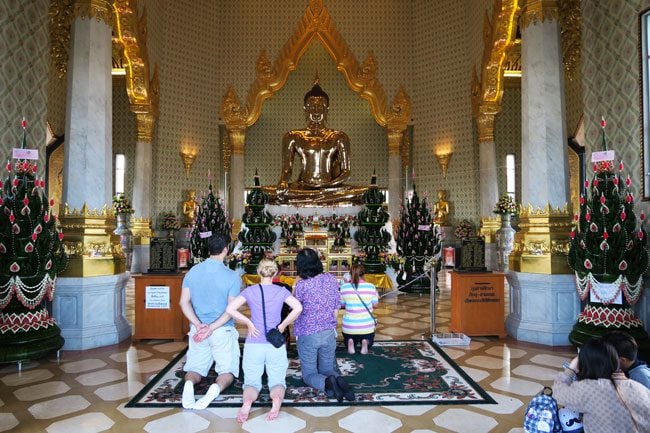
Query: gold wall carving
(60,15)
(538,11)
(316,24)
(487,91)
(570,24)
(144,93)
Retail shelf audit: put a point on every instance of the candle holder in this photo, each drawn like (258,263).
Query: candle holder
(188,158)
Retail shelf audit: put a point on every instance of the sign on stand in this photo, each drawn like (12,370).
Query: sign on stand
(156,298)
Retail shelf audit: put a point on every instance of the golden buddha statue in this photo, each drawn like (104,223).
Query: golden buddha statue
(188,208)
(441,208)
(324,158)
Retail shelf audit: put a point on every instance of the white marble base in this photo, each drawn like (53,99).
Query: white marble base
(90,311)
(543,308)
(140,259)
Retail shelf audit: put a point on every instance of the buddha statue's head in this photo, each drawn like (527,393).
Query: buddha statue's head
(316,104)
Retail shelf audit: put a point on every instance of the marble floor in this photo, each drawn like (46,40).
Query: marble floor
(85,392)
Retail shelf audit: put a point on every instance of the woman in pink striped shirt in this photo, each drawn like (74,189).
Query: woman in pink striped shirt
(358,297)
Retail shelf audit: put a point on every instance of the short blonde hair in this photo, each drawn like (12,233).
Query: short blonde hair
(267,268)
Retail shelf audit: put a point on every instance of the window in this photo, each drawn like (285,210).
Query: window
(119,173)
(644,23)
(510,174)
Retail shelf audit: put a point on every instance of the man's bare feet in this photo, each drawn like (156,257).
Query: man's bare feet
(242,414)
(364,347)
(351,346)
(275,409)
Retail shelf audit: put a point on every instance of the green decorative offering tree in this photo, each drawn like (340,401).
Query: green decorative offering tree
(608,254)
(31,256)
(256,237)
(418,241)
(372,238)
(210,218)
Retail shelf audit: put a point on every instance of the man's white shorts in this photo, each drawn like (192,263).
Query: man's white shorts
(222,347)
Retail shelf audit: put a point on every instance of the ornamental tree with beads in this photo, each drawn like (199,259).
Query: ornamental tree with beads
(418,242)
(210,218)
(31,256)
(608,253)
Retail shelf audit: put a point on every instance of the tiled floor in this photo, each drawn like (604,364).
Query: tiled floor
(86,391)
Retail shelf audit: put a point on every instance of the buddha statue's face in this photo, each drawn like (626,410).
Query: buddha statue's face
(316,110)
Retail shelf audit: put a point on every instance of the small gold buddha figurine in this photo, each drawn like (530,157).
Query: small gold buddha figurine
(188,208)
(324,158)
(441,208)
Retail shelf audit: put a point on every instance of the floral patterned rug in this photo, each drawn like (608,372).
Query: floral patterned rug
(394,373)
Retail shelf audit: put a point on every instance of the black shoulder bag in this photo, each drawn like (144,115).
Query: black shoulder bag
(273,335)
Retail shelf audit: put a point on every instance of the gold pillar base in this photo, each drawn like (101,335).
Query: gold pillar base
(489,227)
(142,231)
(542,244)
(90,243)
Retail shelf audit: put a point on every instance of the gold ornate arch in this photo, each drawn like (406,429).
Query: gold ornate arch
(498,38)
(270,78)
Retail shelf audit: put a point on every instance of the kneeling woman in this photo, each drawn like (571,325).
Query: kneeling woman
(264,299)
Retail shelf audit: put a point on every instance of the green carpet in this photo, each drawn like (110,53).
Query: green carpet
(394,373)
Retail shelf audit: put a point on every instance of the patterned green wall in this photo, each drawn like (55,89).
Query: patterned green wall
(216,44)
(23,74)
(443,119)
(185,39)
(610,67)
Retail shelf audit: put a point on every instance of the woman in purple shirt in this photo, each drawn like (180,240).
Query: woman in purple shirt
(315,328)
(259,354)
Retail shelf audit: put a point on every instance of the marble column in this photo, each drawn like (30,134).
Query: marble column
(142,193)
(544,303)
(237,182)
(90,309)
(395,193)
(489,195)
(544,160)
(88,167)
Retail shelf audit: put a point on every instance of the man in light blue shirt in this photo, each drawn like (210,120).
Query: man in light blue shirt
(207,289)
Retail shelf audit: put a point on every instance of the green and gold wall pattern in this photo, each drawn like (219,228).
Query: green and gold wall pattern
(24,58)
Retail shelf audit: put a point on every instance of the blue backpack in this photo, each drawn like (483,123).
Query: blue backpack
(542,414)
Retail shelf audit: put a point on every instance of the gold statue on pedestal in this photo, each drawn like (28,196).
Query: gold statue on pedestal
(441,208)
(188,208)
(324,158)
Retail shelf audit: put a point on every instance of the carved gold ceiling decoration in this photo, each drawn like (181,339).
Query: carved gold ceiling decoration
(144,93)
(538,11)
(99,10)
(570,25)
(498,38)
(361,78)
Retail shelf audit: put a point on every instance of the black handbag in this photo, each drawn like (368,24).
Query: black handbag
(273,335)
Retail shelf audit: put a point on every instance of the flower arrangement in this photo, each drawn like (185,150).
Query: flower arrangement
(506,206)
(391,259)
(238,260)
(464,230)
(359,257)
(121,204)
(170,222)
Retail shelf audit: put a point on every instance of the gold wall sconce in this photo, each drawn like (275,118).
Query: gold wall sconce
(443,160)
(188,157)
